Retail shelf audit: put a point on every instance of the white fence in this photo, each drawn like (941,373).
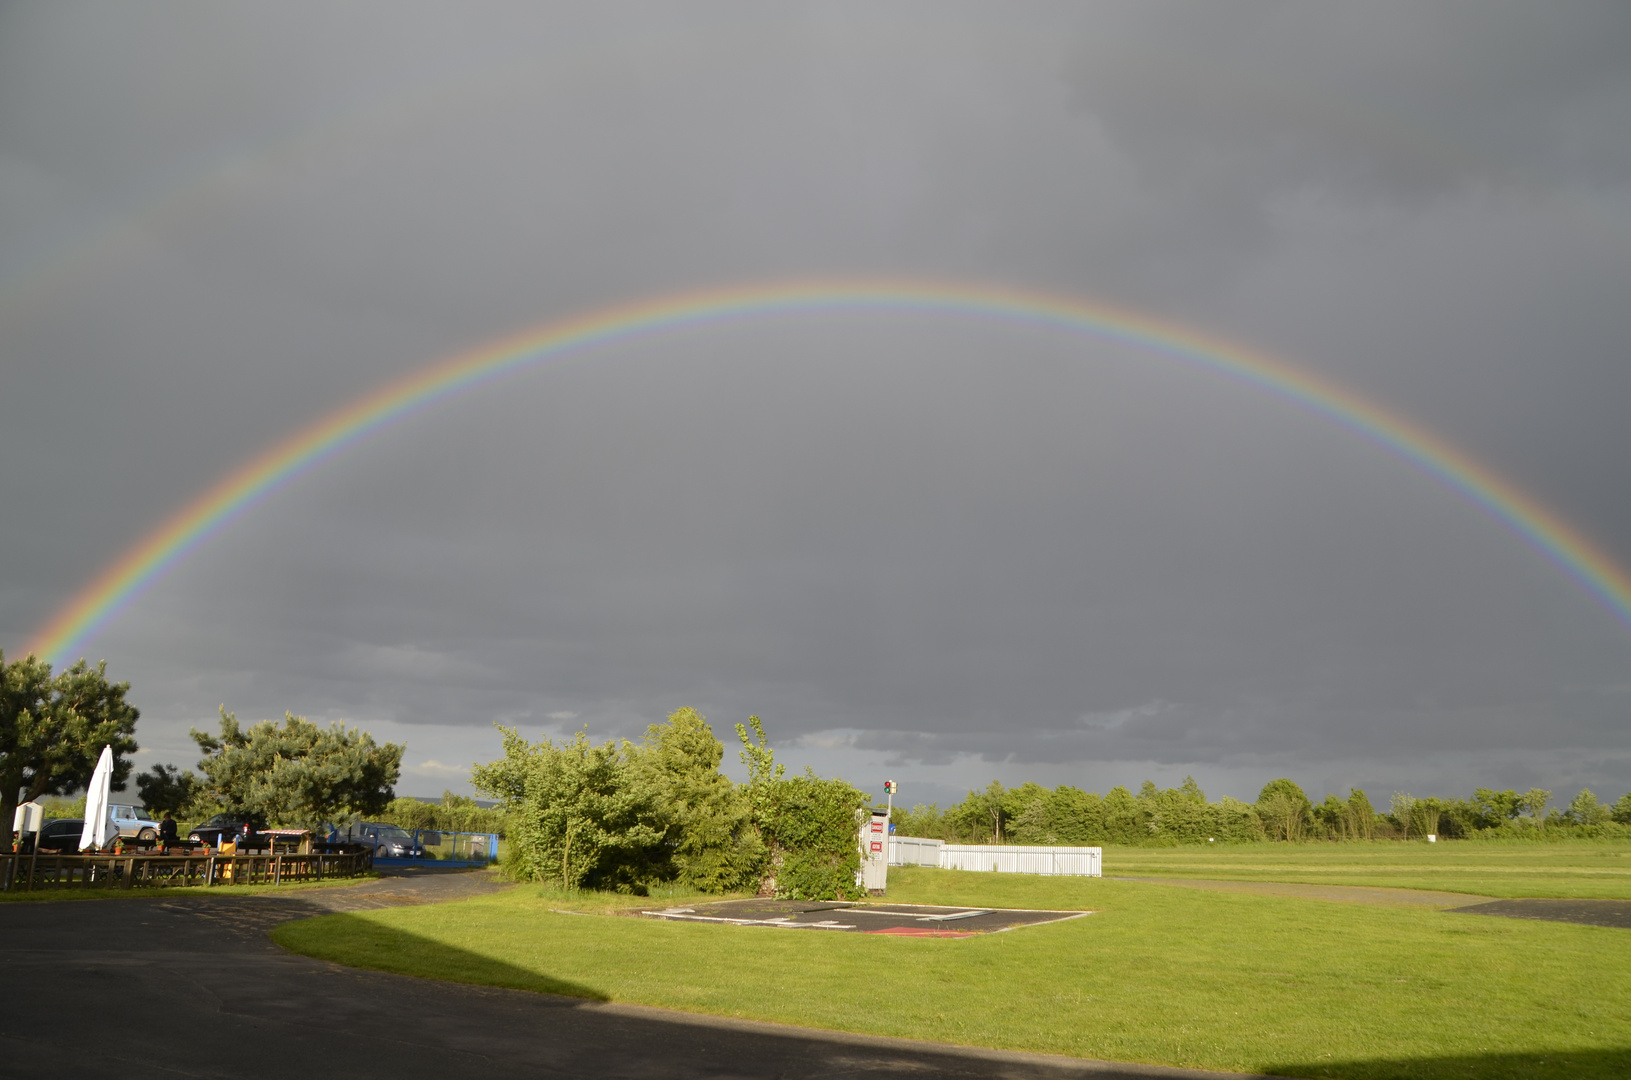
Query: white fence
(914,851)
(1072,861)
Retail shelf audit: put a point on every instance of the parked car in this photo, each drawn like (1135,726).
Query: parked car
(388,841)
(60,836)
(245,830)
(133,824)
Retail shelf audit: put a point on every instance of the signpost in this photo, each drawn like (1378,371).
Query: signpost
(875,845)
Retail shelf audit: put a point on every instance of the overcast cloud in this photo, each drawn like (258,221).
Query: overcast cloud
(935,549)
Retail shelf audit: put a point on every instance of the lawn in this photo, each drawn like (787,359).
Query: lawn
(1158,975)
(1575,868)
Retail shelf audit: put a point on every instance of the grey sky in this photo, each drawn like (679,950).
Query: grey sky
(928,548)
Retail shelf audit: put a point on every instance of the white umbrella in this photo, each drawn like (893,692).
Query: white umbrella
(99,827)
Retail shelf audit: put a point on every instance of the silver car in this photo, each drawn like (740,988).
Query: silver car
(133,823)
(388,841)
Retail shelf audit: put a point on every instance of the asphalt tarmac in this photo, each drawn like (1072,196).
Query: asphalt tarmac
(908,920)
(190,986)
(1589,912)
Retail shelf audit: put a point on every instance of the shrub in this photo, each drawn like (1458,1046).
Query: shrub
(814,839)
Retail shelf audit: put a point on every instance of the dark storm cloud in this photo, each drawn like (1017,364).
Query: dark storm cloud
(930,545)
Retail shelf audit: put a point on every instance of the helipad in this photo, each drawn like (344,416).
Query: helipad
(902,920)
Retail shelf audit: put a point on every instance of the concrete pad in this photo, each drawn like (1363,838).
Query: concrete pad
(1616,913)
(910,920)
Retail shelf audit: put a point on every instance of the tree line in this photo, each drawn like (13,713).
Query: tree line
(1066,815)
(455,813)
(296,774)
(626,815)
(53,728)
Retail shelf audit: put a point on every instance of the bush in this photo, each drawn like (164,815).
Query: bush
(625,815)
(814,839)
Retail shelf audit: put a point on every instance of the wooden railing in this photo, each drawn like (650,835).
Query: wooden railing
(27,873)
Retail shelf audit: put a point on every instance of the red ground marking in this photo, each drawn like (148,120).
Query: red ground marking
(919,931)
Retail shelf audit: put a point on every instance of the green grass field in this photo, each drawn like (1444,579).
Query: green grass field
(1575,868)
(1159,975)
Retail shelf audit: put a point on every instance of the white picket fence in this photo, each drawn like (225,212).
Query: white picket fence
(1005,859)
(914,851)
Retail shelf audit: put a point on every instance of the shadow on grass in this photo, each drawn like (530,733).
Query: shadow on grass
(1610,1063)
(358,941)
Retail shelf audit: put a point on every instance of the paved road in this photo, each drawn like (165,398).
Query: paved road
(191,987)
(1351,894)
(1590,912)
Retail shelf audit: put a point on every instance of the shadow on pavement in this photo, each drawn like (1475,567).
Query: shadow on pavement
(1610,1063)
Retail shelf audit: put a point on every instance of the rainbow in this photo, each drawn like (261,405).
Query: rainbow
(166,545)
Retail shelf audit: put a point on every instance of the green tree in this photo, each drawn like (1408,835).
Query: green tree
(921,820)
(296,773)
(1404,805)
(1461,817)
(709,835)
(1177,814)
(1285,809)
(410,813)
(461,813)
(1586,810)
(815,835)
(576,818)
(809,826)
(1332,816)
(53,729)
(455,813)
(1534,801)
(1119,819)
(1622,809)
(982,816)
(1495,808)
(1029,809)
(166,789)
(1426,815)
(764,774)
(1076,816)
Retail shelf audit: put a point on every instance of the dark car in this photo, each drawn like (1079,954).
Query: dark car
(57,837)
(388,841)
(246,830)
